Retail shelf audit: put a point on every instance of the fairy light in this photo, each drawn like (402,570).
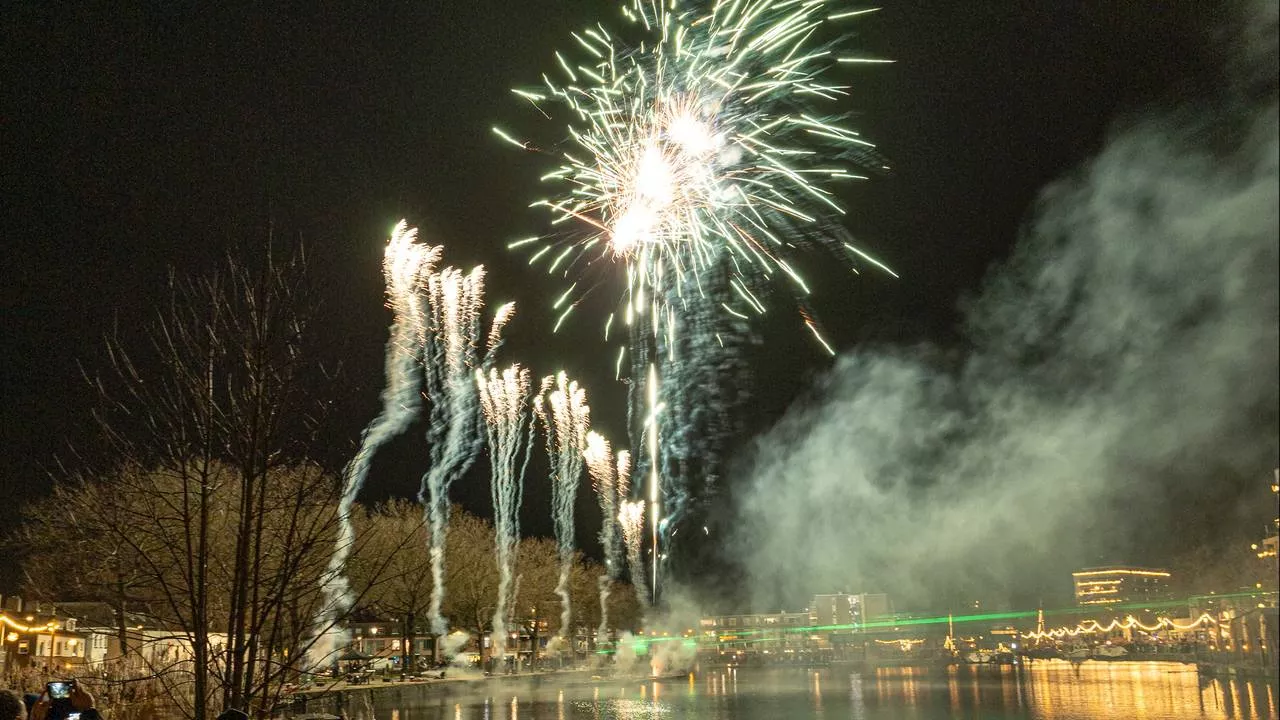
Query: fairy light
(905,643)
(1090,627)
(6,620)
(1120,571)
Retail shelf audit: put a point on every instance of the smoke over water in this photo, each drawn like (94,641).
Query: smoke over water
(1119,365)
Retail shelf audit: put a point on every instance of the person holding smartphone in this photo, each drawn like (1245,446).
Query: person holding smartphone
(64,700)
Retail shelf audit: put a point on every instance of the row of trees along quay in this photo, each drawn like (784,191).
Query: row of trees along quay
(204,509)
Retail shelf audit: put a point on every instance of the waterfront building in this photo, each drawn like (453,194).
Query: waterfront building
(1114,584)
(152,643)
(78,637)
(35,635)
(783,635)
(852,609)
(832,624)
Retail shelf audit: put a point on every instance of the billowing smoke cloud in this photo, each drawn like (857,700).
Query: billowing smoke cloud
(1121,360)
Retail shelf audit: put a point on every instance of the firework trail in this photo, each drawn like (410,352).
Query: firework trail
(504,400)
(631,520)
(566,419)
(450,357)
(703,158)
(654,508)
(405,265)
(610,481)
(704,396)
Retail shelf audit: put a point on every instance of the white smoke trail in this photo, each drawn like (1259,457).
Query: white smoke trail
(450,341)
(405,265)
(605,474)
(504,399)
(566,420)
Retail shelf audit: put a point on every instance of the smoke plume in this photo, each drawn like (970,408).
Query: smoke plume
(1119,365)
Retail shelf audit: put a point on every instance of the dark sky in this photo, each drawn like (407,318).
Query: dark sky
(135,140)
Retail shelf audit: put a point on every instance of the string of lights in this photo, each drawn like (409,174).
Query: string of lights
(6,620)
(1089,627)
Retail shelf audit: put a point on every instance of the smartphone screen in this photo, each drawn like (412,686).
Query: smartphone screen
(59,690)
(73,716)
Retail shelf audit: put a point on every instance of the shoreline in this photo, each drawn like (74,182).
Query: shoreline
(342,686)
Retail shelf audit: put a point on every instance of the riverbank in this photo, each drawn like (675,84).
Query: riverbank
(373,684)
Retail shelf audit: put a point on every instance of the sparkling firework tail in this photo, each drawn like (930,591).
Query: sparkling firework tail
(654,486)
(631,520)
(566,420)
(450,339)
(624,475)
(701,385)
(504,400)
(405,264)
(699,142)
(610,491)
(622,480)
(500,319)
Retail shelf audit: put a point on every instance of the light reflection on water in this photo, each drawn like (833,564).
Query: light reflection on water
(1047,690)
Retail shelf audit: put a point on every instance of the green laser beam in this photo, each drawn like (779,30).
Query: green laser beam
(743,636)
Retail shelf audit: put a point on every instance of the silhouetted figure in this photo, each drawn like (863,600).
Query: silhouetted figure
(11,706)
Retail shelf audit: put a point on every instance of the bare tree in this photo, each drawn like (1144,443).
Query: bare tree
(537,604)
(472,579)
(214,413)
(625,613)
(537,568)
(394,564)
(73,554)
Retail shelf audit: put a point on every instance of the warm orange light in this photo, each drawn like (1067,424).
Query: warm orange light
(1088,627)
(6,620)
(1147,573)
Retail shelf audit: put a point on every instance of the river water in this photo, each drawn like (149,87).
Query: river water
(1046,690)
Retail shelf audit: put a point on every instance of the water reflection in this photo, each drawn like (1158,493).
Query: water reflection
(817,692)
(1046,690)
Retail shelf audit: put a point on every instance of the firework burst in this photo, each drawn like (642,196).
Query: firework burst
(703,149)
(700,141)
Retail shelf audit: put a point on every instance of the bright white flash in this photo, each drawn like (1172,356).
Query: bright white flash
(693,136)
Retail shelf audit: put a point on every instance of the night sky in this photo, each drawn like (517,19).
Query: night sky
(136,140)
